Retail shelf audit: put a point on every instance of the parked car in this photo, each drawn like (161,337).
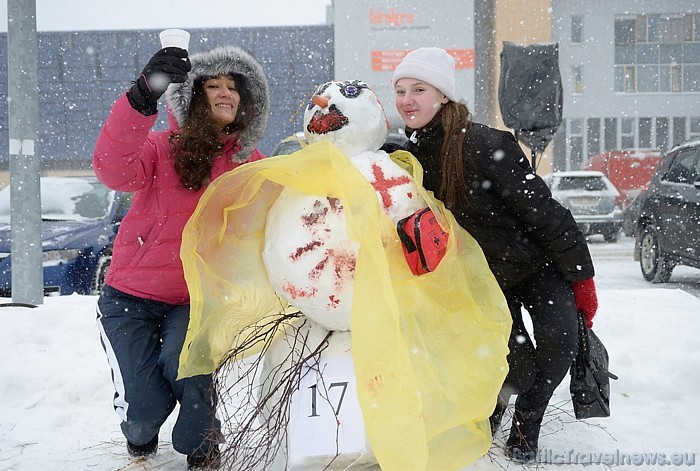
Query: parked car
(592,199)
(290,144)
(630,170)
(630,215)
(294,142)
(668,227)
(80,218)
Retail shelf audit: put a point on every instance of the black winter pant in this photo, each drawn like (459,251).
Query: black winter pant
(536,371)
(142,340)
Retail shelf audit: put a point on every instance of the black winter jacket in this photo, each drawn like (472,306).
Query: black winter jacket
(510,211)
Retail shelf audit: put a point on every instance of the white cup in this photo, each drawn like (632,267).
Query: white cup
(175,38)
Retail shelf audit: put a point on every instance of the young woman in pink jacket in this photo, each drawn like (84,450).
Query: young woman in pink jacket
(218,103)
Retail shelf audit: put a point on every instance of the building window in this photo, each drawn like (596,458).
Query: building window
(610,126)
(627,133)
(559,161)
(676,78)
(662,133)
(577,29)
(576,143)
(645,133)
(670,29)
(577,79)
(647,78)
(657,53)
(625,31)
(678,130)
(670,78)
(691,27)
(630,79)
(593,130)
(642,28)
(691,78)
(695,127)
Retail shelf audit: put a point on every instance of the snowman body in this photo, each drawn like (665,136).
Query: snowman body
(308,257)
(310,260)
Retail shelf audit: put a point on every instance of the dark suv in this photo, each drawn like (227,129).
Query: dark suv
(668,227)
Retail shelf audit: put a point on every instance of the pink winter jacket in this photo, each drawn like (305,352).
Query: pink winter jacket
(129,157)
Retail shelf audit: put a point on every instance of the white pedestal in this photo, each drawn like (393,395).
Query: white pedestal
(326,430)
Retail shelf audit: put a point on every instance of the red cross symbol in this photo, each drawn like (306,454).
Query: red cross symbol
(382,185)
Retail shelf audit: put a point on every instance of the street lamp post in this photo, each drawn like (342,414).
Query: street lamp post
(25,160)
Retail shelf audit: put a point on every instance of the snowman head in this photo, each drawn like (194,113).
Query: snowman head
(347,114)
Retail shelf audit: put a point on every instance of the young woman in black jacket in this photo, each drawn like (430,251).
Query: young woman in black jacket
(532,243)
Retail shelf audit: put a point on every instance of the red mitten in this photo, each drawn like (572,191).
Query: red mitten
(586,299)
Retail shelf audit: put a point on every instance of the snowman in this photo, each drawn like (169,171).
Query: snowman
(311,262)
(297,270)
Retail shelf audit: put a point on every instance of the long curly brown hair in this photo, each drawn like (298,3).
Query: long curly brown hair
(199,140)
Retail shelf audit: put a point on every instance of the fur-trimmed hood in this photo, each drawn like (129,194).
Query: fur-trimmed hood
(226,60)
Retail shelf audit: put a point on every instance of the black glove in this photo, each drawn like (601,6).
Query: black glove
(169,65)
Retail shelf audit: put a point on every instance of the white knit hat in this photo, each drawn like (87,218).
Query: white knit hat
(433,66)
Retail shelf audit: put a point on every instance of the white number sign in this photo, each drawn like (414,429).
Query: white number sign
(325,418)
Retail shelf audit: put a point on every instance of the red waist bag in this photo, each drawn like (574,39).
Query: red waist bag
(423,241)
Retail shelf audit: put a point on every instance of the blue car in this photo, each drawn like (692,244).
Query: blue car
(80,218)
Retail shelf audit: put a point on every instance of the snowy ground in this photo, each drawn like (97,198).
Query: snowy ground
(55,389)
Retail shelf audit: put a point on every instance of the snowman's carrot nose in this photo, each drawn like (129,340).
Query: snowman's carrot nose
(320,101)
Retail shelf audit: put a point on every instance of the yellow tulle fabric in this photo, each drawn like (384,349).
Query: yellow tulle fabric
(429,351)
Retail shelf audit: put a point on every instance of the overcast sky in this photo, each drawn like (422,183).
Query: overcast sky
(85,15)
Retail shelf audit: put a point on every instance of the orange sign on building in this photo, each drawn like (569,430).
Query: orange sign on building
(391,18)
(385,61)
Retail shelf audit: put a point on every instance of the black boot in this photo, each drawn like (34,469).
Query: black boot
(524,434)
(142,450)
(201,460)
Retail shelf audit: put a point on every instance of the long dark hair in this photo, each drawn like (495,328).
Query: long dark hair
(456,123)
(199,140)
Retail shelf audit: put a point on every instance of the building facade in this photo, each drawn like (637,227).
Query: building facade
(630,68)
(631,75)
